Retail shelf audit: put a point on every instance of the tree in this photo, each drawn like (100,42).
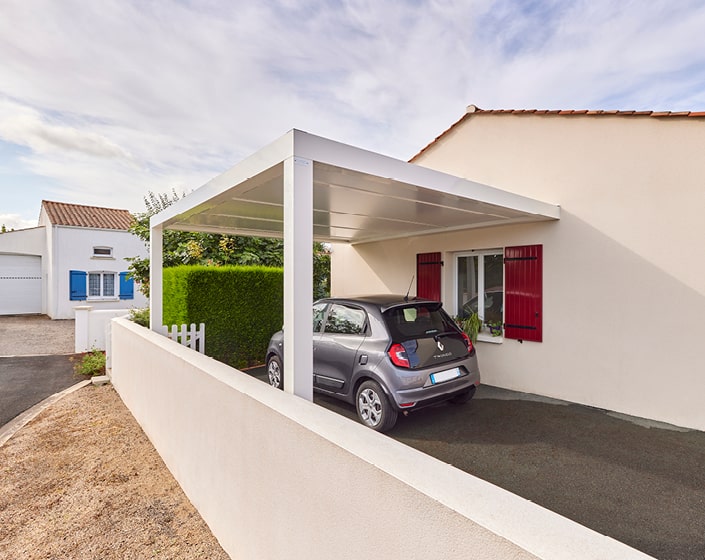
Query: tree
(180,247)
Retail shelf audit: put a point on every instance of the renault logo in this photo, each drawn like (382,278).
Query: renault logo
(440,345)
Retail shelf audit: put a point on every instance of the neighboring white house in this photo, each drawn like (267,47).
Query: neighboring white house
(76,256)
(603,307)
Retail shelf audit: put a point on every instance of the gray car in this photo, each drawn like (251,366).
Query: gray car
(386,354)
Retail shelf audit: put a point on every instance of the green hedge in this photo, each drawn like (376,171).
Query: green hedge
(241,306)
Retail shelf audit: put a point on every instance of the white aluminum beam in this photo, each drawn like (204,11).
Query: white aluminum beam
(156,306)
(298,276)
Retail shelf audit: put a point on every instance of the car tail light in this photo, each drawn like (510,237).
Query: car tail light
(468,342)
(397,354)
(407,404)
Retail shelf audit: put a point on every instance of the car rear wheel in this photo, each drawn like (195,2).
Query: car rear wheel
(274,372)
(374,408)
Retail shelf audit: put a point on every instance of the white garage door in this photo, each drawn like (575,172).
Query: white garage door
(20,284)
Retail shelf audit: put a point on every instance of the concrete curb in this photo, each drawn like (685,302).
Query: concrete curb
(14,425)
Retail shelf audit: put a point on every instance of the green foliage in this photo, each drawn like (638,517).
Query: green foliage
(241,306)
(321,270)
(180,247)
(495,328)
(92,363)
(140,316)
(471,326)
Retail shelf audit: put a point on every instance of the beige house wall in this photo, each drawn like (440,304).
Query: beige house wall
(624,284)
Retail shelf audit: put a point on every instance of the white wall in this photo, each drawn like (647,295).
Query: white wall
(624,288)
(23,242)
(275,476)
(72,249)
(92,327)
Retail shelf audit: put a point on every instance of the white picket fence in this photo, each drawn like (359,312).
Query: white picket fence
(194,338)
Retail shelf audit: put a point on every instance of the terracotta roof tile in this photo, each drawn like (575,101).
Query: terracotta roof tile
(474,110)
(64,214)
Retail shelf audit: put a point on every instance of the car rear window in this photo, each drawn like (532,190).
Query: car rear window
(417,321)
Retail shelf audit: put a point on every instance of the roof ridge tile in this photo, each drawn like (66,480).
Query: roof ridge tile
(473,110)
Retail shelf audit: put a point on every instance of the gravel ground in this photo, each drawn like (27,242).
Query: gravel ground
(25,335)
(82,481)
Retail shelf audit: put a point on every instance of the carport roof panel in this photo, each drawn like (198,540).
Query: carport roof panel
(358,196)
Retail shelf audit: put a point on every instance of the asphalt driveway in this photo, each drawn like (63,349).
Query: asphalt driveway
(639,482)
(35,361)
(28,380)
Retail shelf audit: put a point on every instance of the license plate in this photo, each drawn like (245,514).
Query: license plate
(446,375)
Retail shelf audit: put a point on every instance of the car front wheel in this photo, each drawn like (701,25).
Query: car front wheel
(374,408)
(274,372)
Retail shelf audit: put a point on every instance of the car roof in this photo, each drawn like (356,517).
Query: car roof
(383,301)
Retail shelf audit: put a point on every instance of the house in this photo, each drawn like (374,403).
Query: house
(603,307)
(75,256)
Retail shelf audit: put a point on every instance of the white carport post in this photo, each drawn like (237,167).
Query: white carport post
(298,276)
(156,236)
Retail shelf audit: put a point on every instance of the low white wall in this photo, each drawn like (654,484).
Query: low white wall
(92,327)
(275,476)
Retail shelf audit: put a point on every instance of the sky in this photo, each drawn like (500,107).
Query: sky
(102,101)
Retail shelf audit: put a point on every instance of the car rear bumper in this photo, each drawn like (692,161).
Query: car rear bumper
(426,396)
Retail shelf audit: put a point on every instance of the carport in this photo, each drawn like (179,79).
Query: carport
(303,188)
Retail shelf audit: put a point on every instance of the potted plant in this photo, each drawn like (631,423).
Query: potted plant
(495,328)
(471,326)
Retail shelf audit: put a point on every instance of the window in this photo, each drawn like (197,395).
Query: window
(418,321)
(102,252)
(345,320)
(480,289)
(505,288)
(319,313)
(100,285)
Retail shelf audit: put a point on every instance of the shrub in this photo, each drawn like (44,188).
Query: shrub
(92,363)
(140,316)
(241,306)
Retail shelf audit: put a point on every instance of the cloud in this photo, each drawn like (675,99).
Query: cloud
(118,97)
(24,126)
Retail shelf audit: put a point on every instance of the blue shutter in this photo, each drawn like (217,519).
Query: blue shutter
(127,286)
(77,285)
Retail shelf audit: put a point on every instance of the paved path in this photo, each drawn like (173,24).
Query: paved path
(35,361)
(27,380)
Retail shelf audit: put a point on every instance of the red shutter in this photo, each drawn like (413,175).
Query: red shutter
(523,292)
(428,275)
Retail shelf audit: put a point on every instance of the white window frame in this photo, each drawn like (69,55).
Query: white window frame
(103,273)
(483,335)
(103,248)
